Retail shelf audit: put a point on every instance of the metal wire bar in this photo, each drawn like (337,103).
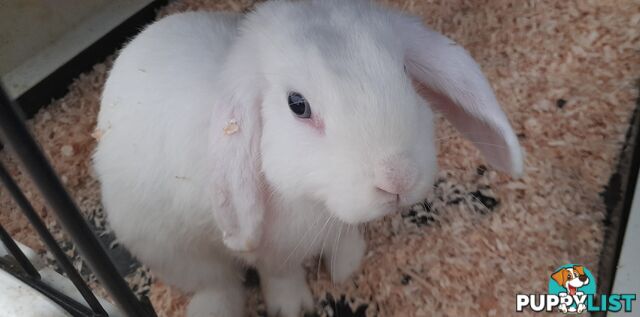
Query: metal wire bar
(17,254)
(49,241)
(17,137)
(69,304)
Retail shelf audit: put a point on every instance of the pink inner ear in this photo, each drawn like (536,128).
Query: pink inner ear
(453,82)
(498,146)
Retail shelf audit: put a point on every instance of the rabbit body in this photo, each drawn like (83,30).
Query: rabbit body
(207,166)
(152,162)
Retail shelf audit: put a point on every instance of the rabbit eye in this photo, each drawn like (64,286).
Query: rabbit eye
(299,105)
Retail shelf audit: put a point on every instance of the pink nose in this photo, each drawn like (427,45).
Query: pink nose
(394,175)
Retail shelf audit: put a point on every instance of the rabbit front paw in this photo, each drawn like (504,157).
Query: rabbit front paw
(287,296)
(346,257)
(217,302)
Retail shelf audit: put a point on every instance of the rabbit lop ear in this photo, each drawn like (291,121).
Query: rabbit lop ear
(454,84)
(236,129)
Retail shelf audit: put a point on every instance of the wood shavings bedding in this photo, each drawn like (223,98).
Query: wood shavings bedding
(564,72)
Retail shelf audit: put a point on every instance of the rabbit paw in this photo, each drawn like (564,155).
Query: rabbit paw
(346,257)
(217,302)
(287,296)
(240,242)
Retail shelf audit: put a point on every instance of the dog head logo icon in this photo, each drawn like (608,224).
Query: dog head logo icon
(571,278)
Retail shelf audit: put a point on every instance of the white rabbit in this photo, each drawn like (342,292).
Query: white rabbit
(262,139)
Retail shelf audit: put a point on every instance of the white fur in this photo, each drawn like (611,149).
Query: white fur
(195,203)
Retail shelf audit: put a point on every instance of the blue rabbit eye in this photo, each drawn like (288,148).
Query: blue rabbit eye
(299,105)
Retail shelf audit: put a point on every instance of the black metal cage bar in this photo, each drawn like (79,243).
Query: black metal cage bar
(16,136)
(17,254)
(69,304)
(48,239)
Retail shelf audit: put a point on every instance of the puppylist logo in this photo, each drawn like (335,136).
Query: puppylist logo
(572,290)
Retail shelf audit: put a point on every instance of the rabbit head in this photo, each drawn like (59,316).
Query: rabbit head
(340,121)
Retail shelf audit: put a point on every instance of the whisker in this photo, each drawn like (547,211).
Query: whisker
(317,235)
(490,144)
(320,259)
(300,241)
(336,246)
